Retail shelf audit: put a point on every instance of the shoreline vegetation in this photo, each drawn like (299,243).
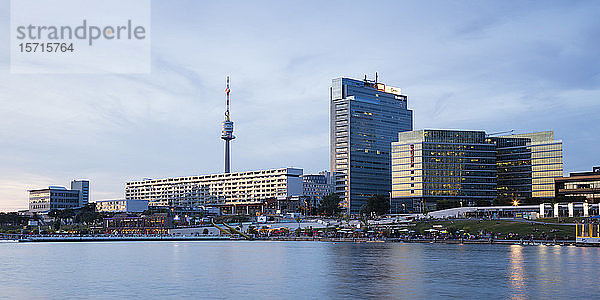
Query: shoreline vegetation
(449,231)
(176,238)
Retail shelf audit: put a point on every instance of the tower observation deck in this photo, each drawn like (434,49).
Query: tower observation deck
(227,133)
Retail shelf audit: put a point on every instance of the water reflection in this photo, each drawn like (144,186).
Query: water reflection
(516,272)
(305,270)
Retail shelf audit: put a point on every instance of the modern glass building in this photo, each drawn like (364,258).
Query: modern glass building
(442,168)
(582,184)
(436,169)
(528,164)
(366,117)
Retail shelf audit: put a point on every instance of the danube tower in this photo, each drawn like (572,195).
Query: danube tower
(227,134)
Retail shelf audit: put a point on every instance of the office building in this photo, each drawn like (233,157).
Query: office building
(527,164)
(436,169)
(365,118)
(238,188)
(83,186)
(121,205)
(579,185)
(315,187)
(54,197)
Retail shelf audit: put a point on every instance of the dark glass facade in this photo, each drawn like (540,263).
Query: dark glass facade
(365,119)
(435,169)
(528,164)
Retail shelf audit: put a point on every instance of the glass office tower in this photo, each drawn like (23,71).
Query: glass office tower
(366,117)
(437,169)
(528,164)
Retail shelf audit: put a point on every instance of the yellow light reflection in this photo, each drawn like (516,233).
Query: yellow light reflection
(517,272)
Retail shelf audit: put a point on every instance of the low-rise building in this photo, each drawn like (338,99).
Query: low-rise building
(158,223)
(54,197)
(579,185)
(121,205)
(58,197)
(251,187)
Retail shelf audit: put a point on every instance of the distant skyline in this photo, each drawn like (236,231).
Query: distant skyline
(493,66)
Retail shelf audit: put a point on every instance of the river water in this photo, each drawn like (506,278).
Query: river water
(292,270)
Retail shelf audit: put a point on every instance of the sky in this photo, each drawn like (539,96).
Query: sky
(482,65)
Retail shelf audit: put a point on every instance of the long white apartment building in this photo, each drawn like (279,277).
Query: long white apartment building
(224,188)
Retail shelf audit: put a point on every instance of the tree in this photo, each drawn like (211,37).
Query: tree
(56,215)
(378,204)
(67,214)
(330,205)
(87,217)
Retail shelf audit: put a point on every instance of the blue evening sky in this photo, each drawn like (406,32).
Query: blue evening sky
(495,66)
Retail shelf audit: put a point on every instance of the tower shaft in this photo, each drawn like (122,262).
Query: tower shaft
(227,134)
(227,167)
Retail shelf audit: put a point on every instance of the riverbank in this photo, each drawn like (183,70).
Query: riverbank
(41,239)
(425,241)
(512,229)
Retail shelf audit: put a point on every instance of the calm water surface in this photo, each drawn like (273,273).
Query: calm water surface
(286,270)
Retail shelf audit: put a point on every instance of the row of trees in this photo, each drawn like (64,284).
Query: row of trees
(12,219)
(376,204)
(86,215)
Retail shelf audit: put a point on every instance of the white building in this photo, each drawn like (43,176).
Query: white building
(224,188)
(121,205)
(54,197)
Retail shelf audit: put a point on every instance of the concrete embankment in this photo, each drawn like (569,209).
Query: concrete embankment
(423,241)
(38,239)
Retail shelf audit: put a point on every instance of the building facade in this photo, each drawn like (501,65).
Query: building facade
(121,205)
(315,187)
(225,188)
(54,197)
(437,169)
(158,223)
(365,117)
(579,184)
(441,169)
(528,164)
(83,186)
